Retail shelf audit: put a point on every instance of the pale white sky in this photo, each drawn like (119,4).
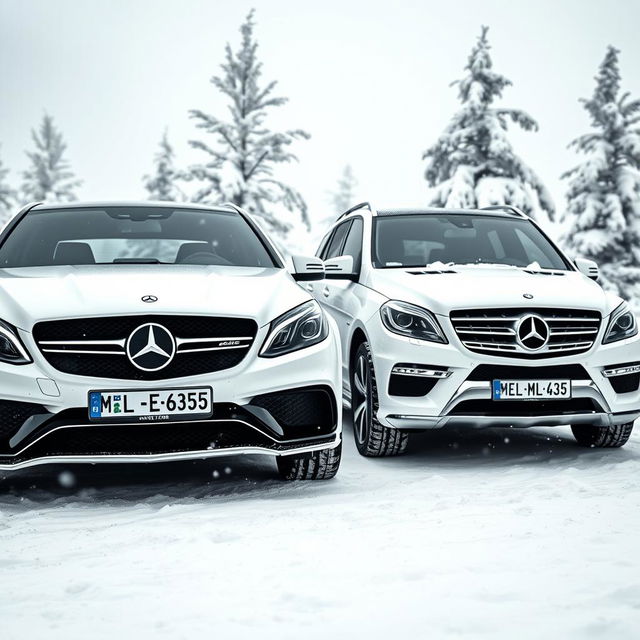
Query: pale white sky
(368,79)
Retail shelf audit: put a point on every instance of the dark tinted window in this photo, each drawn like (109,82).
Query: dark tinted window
(353,243)
(324,246)
(335,244)
(133,234)
(418,240)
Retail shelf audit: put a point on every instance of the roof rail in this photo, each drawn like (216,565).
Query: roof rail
(507,208)
(361,205)
(233,206)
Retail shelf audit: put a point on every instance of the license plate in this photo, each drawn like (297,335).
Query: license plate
(531,389)
(150,406)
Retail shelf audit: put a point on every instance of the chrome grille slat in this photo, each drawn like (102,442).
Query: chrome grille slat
(494,331)
(182,345)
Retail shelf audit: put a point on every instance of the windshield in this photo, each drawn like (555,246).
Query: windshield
(133,235)
(418,240)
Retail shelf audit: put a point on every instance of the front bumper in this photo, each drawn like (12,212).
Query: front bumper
(277,407)
(464,396)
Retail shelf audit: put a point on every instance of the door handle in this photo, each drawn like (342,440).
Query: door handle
(326,292)
(309,287)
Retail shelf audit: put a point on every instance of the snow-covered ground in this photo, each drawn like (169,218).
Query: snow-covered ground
(467,536)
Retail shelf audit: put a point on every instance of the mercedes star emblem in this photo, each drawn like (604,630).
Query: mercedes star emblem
(528,296)
(532,332)
(151,347)
(149,299)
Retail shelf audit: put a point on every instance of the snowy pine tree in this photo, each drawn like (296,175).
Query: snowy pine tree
(7,196)
(162,184)
(242,160)
(343,197)
(49,177)
(473,163)
(603,199)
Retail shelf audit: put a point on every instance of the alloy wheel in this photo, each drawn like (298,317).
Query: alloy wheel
(362,399)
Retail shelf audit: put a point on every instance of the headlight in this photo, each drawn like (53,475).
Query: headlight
(299,328)
(411,321)
(11,348)
(621,325)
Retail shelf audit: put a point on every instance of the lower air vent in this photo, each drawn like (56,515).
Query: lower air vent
(14,414)
(526,408)
(410,386)
(299,408)
(625,384)
(489,372)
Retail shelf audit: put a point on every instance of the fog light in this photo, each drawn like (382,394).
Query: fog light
(621,370)
(424,372)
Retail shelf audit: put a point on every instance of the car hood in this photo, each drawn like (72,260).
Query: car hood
(479,286)
(47,293)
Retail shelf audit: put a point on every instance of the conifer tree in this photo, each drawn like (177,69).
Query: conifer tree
(162,184)
(49,177)
(343,197)
(244,153)
(473,164)
(7,196)
(603,199)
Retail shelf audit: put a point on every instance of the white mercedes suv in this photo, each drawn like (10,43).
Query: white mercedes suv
(474,318)
(158,332)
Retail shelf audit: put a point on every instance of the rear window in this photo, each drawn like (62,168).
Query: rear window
(133,235)
(418,240)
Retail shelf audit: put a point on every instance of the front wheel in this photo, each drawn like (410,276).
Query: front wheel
(318,465)
(612,436)
(373,439)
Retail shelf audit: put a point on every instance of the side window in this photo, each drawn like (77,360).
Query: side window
(334,248)
(353,244)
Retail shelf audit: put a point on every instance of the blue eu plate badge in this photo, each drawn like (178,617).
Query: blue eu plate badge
(95,404)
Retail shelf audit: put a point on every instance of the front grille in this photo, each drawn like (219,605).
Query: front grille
(96,347)
(495,331)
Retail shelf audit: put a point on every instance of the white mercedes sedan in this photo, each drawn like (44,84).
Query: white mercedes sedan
(144,332)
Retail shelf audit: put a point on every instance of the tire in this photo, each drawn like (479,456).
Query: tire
(373,440)
(613,436)
(318,465)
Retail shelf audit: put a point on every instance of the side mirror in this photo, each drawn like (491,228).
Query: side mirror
(340,268)
(306,269)
(588,267)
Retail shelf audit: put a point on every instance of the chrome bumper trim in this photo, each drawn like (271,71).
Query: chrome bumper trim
(165,457)
(515,422)
(150,425)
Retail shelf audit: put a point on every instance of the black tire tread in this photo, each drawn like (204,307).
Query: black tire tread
(382,441)
(318,465)
(602,437)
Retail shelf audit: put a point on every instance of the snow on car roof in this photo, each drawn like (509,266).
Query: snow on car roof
(133,203)
(441,211)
